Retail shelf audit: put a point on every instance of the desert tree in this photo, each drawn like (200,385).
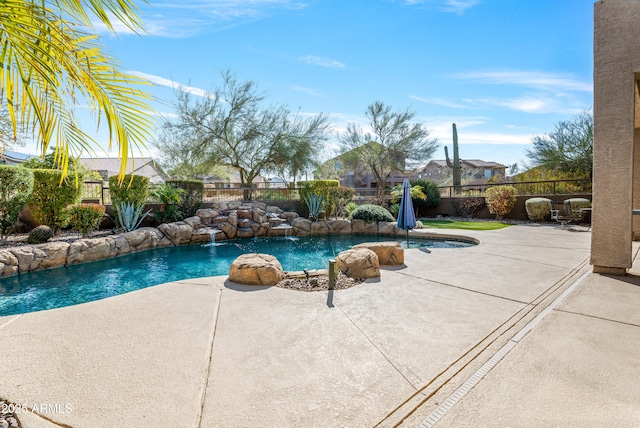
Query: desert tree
(395,143)
(232,127)
(568,148)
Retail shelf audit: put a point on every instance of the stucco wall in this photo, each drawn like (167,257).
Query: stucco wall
(616,61)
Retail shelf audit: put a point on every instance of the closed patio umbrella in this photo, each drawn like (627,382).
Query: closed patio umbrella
(406,215)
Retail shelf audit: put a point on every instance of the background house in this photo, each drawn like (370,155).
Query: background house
(474,171)
(229,178)
(8,157)
(108,167)
(358,175)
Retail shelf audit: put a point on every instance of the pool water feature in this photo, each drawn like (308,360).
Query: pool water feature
(71,285)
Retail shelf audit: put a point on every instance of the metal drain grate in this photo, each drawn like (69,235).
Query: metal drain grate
(457,395)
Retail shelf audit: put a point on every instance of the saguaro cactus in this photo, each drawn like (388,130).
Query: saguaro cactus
(456,161)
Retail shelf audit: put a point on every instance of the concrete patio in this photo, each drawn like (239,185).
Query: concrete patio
(209,353)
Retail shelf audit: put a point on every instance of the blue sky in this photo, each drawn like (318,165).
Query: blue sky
(503,70)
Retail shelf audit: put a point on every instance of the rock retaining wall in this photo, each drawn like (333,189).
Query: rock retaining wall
(223,221)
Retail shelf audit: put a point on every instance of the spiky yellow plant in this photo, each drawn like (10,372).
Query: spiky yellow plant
(51,63)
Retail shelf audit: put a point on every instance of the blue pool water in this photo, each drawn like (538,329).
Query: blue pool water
(71,285)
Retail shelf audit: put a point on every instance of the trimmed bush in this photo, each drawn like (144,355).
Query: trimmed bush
(51,195)
(341,196)
(85,218)
(500,200)
(134,188)
(192,197)
(577,203)
(40,235)
(16,185)
(538,208)
(320,188)
(371,213)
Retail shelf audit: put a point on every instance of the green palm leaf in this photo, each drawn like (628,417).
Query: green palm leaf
(50,64)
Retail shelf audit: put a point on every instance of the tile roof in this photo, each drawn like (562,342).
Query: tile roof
(142,166)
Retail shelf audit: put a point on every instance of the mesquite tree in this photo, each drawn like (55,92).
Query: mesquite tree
(232,127)
(395,143)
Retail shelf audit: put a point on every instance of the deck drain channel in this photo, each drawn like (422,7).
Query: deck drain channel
(459,393)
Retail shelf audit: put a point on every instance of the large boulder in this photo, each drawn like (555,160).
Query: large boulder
(360,263)
(205,234)
(55,254)
(8,263)
(229,230)
(91,250)
(207,215)
(274,209)
(258,215)
(389,253)
(256,269)
(289,216)
(179,232)
(145,238)
(340,226)
(195,222)
(29,257)
(360,227)
(319,228)
(301,226)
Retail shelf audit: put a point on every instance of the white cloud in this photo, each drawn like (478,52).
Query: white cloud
(185,19)
(161,81)
(322,62)
(532,79)
(534,103)
(459,6)
(308,91)
(468,133)
(439,101)
(453,6)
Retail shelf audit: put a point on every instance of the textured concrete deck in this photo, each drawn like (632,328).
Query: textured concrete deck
(209,353)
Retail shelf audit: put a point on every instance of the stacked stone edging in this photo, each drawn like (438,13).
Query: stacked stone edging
(225,220)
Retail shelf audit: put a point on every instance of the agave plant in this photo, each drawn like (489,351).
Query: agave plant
(129,215)
(315,205)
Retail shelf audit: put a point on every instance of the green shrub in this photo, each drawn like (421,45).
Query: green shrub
(371,213)
(51,195)
(191,198)
(16,185)
(350,208)
(500,200)
(40,235)
(85,218)
(320,188)
(170,198)
(394,210)
(415,192)
(430,190)
(341,196)
(538,208)
(577,203)
(133,188)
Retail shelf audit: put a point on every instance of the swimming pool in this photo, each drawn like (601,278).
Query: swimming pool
(71,285)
